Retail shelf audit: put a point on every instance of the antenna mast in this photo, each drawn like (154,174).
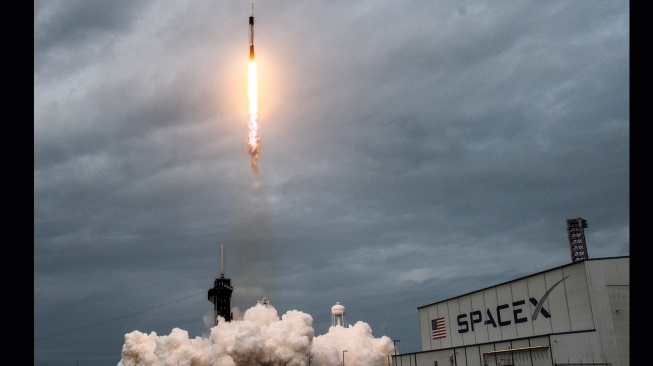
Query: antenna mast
(576,235)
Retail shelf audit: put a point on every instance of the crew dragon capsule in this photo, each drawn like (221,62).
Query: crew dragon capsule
(251,31)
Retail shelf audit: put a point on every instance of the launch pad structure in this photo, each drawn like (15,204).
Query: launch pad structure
(220,294)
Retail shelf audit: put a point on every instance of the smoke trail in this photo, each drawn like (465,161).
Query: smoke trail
(253,139)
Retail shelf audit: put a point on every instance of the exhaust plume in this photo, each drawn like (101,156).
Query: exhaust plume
(253,139)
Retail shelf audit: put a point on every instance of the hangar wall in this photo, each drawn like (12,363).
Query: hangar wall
(576,313)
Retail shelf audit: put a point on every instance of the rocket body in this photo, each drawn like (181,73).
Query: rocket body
(251,31)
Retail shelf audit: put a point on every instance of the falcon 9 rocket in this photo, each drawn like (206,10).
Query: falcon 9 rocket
(251,31)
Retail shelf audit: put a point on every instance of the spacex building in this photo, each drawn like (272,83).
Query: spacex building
(575,314)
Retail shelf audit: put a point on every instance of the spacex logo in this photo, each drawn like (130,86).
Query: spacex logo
(502,315)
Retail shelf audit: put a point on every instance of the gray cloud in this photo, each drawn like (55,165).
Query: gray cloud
(410,153)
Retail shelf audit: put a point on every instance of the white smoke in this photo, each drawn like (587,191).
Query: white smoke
(261,338)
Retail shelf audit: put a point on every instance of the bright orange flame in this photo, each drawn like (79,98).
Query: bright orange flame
(253,138)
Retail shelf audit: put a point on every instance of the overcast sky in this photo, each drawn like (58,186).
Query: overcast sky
(411,151)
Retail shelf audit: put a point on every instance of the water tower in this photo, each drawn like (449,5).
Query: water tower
(338,315)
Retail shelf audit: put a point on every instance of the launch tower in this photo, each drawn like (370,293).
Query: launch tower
(576,235)
(220,294)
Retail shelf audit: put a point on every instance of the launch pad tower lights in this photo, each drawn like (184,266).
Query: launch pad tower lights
(576,235)
(220,294)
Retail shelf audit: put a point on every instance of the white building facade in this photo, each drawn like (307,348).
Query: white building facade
(576,314)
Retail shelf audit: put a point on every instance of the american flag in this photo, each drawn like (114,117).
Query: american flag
(439,330)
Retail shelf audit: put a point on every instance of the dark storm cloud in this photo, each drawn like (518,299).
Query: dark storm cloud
(410,153)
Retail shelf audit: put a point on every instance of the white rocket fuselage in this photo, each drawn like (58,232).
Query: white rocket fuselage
(251,31)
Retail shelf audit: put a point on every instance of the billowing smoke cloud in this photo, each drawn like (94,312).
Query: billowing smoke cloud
(260,338)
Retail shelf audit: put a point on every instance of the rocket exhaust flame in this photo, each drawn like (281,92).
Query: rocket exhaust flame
(253,139)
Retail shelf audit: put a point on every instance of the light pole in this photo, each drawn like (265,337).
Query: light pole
(343,357)
(394,343)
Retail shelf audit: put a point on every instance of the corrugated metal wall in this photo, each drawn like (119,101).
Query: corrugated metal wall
(578,312)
